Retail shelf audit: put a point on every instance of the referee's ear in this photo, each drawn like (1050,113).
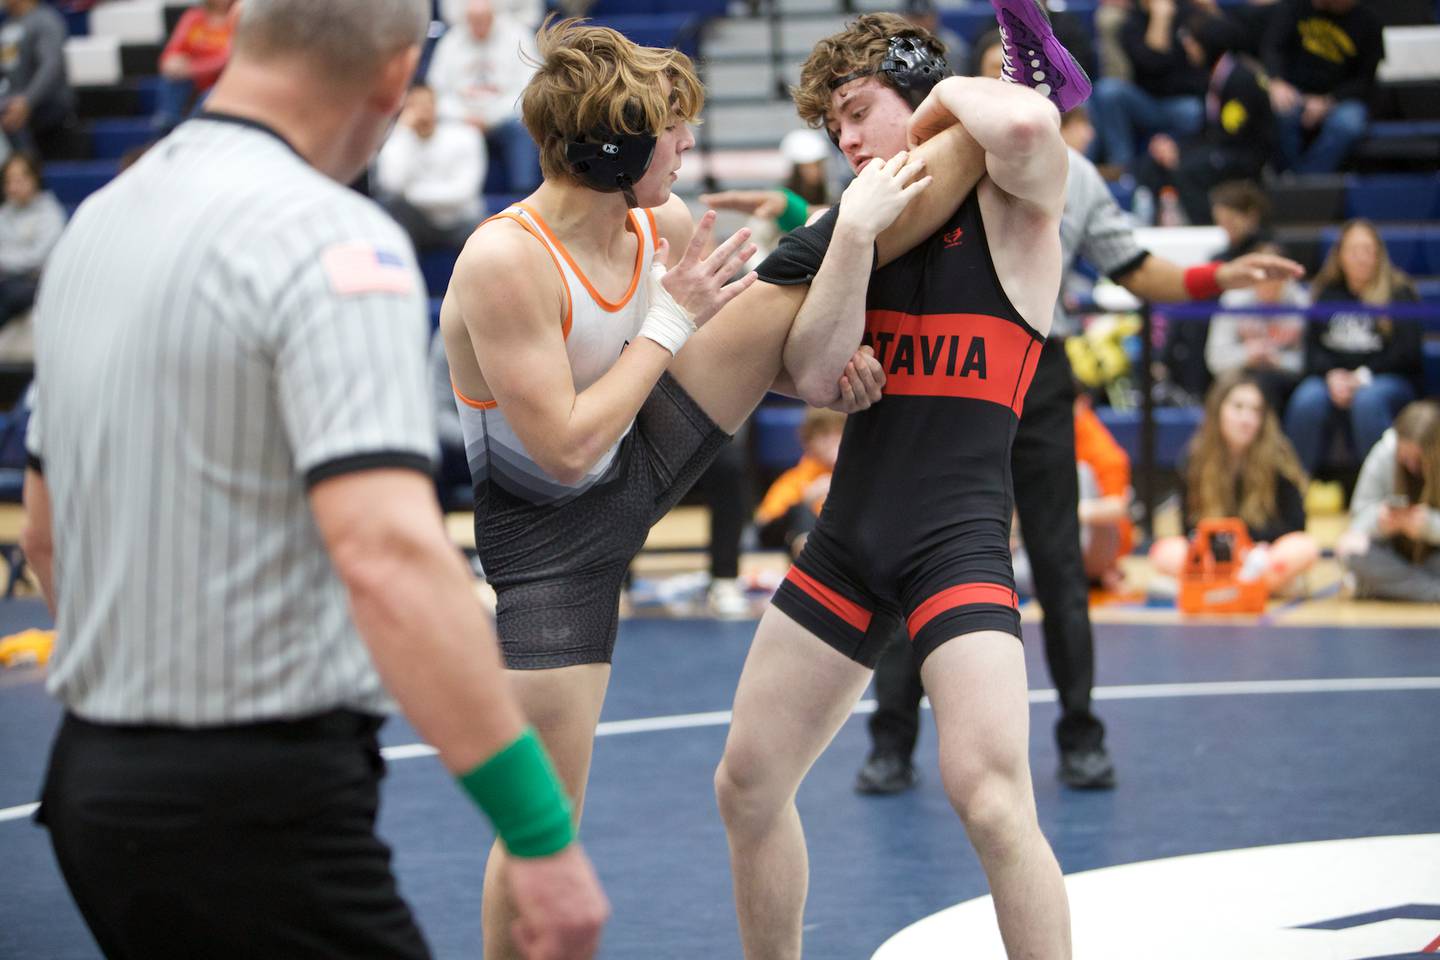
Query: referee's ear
(393,81)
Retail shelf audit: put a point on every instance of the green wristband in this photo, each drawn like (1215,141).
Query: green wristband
(521,794)
(796,212)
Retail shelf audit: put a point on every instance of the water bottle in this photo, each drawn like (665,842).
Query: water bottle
(1169,213)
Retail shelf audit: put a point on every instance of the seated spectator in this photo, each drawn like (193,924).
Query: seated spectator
(31,221)
(1269,347)
(1165,94)
(193,59)
(1321,56)
(1392,548)
(791,505)
(1106,533)
(37,105)
(429,174)
(1238,131)
(1242,210)
(1360,368)
(1240,465)
(806,191)
(478,72)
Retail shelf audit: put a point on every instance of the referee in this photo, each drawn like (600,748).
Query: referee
(1047,496)
(230,510)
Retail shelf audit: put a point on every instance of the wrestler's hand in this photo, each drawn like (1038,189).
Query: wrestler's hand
(862,384)
(1256,268)
(931,117)
(697,282)
(880,192)
(559,904)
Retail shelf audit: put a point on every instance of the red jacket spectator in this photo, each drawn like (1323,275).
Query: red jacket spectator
(203,38)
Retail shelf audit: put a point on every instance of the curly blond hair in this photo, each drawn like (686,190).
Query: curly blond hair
(859,48)
(590,77)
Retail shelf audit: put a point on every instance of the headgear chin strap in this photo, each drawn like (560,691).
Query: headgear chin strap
(912,66)
(609,161)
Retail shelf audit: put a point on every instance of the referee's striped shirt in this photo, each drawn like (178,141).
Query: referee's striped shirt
(1093,228)
(218,329)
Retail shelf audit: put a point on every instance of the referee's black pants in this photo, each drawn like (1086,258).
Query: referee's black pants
(1047,498)
(238,842)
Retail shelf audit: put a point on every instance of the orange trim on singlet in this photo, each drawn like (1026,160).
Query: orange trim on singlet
(960,595)
(569,304)
(604,304)
(847,610)
(475,404)
(654,230)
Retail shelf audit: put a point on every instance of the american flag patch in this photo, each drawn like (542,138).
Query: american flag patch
(355,268)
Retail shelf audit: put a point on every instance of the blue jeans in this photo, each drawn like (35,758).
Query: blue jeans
(1345,124)
(1312,419)
(1123,112)
(172,99)
(514,159)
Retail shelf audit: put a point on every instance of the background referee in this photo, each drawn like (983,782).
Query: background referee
(232,444)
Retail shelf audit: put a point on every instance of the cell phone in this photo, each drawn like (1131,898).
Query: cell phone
(1398,501)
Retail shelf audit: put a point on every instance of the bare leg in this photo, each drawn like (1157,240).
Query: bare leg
(794,695)
(564,705)
(1167,555)
(1291,556)
(976,685)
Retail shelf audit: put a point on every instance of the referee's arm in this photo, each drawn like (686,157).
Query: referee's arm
(37,539)
(414,604)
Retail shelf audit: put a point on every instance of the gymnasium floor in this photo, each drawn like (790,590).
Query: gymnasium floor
(1228,737)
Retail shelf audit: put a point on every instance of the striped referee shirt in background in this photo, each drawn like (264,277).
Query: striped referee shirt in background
(1093,227)
(218,330)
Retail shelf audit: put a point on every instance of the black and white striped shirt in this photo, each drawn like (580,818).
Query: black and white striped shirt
(1094,228)
(219,329)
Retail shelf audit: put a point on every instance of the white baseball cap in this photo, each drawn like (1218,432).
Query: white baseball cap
(804,146)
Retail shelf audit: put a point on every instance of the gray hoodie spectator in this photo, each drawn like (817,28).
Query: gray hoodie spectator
(35,95)
(1393,545)
(31,222)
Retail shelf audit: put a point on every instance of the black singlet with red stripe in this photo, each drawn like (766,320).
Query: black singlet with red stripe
(916,526)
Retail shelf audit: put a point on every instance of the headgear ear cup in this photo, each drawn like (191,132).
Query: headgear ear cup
(610,161)
(912,66)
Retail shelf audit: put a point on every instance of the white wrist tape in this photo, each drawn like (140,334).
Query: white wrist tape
(667,323)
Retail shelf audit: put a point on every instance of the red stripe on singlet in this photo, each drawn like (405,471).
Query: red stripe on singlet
(969,355)
(960,595)
(847,610)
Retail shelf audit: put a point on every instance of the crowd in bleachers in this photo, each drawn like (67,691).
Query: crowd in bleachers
(1303,127)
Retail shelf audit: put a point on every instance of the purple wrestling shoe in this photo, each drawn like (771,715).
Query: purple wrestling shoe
(1035,58)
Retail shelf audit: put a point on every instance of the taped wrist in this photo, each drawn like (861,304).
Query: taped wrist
(522,795)
(667,323)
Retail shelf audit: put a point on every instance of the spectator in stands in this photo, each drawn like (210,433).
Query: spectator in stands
(429,174)
(806,191)
(1238,133)
(1361,367)
(1106,533)
(191,62)
(1165,94)
(1392,548)
(787,514)
(37,105)
(1242,210)
(1321,56)
(1076,129)
(479,69)
(1269,347)
(31,221)
(1239,464)
(923,14)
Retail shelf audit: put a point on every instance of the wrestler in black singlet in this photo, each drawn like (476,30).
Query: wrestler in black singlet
(916,527)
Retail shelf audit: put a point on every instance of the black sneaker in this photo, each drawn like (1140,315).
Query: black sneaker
(1087,769)
(886,773)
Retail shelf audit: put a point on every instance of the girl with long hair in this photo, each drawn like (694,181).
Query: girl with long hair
(1360,367)
(1240,465)
(1392,548)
